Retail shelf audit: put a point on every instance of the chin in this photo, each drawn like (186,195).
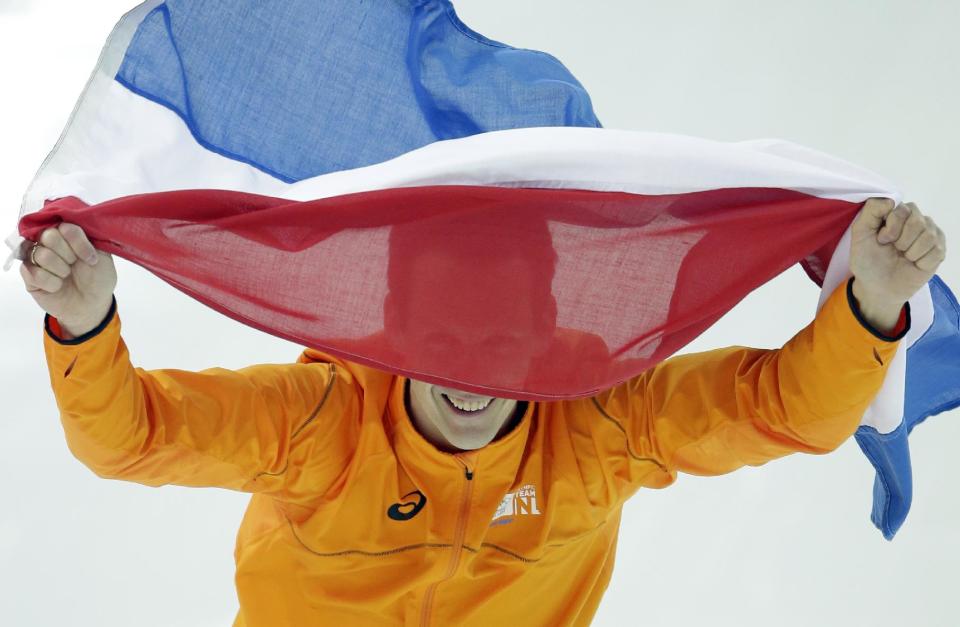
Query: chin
(467,432)
(466,436)
(467,446)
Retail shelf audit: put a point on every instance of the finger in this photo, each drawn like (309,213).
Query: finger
(921,246)
(873,213)
(78,242)
(39,280)
(894,224)
(53,239)
(912,228)
(51,262)
(932,260)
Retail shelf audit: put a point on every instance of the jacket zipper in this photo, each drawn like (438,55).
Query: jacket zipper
(458,539)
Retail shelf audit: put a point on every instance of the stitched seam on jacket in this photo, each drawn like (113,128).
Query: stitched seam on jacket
(439,545)
(528,560)
(559,545)
(626,438)
(316,411)
(400,549)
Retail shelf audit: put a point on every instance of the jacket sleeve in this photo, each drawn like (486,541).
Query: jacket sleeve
(240,429)
(713,412)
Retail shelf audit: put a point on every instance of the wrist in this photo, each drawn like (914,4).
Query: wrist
(71,329)
(880,312)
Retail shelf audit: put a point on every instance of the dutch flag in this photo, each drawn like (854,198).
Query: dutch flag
(277,137)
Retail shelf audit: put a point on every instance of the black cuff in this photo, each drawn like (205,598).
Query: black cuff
(855,308)
(86,336)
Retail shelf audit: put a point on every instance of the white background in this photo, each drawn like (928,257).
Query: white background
(790,543)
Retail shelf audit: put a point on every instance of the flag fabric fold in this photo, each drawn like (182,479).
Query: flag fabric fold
(383,183)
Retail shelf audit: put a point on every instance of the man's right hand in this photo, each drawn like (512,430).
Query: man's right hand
(71,280)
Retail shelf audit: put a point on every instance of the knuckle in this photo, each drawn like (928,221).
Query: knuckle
(60,269)
(51,259)
(69,230)
(73,234)
(50,282)
(892,230)
(879,206)
(42,255)
(49,237)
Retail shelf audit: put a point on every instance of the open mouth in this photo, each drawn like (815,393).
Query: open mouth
(465,408)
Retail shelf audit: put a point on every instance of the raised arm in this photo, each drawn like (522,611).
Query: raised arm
(710,413)
(234,429)
(222,428)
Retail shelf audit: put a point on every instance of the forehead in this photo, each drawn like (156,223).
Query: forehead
(458,295)
(498,272)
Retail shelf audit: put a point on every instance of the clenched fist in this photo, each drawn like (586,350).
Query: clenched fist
(70,279)
(894,252)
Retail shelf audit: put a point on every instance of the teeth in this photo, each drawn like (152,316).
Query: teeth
(468,405)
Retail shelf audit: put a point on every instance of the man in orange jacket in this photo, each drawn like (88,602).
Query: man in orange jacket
(383,500)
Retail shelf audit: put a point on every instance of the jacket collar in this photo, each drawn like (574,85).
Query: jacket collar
(497,461)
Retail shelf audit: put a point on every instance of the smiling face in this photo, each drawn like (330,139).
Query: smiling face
(483,327)
(469,300)
(458,421)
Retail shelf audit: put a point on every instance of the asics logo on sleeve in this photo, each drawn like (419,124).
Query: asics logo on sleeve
(405,510)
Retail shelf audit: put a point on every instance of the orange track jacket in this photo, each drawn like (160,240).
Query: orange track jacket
(356,519)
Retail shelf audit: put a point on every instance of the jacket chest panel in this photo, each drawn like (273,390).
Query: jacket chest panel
(391,525)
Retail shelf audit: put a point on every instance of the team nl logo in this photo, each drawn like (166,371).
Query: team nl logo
(522,502)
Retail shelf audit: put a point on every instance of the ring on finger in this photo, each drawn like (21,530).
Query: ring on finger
(33,254)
